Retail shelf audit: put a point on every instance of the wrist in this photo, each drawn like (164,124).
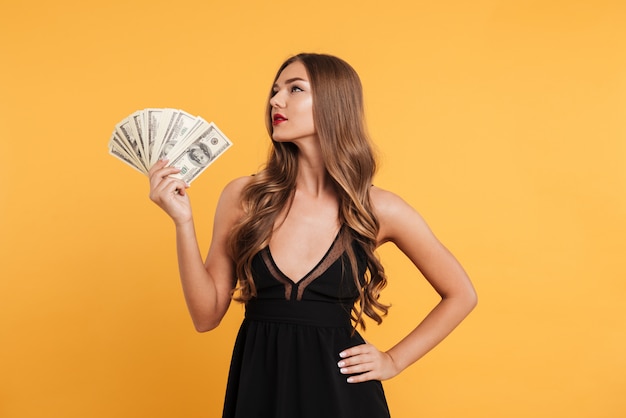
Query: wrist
(394,364)
(184,224)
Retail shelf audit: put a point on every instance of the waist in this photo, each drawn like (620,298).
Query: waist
(303,312)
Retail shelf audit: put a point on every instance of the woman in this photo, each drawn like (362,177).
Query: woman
(296,244)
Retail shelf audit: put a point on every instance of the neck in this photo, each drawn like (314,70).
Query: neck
(313,178)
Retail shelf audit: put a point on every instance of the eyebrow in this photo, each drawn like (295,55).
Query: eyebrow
(291,80)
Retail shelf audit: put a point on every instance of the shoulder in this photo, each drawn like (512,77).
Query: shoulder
(235,187)
(230,205)
(387,204)
(395,216)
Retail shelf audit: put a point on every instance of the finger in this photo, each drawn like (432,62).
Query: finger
(353,351)
(157,166)
(158,175)
(171,185)
(364,377)
(181,190)
(366,357)
(358,368)
(167,187)
(159,169)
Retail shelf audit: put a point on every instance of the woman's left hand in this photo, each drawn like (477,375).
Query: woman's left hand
(365,362)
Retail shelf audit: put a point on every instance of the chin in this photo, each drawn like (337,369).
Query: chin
(279,138)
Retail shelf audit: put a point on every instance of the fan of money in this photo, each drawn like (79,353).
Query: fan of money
(189,142)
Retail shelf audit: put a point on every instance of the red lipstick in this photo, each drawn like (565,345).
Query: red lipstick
(278,119)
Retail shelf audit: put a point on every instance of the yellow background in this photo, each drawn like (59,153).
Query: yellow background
(502,122)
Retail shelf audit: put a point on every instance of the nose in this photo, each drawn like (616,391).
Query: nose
(277,100)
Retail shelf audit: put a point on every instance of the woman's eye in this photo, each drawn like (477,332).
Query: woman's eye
(295,89)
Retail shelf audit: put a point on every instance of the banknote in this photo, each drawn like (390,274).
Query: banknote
(137,130)
(189,142)
(124,129)
(181,128)
(156,125)
(118,152)
(199,154)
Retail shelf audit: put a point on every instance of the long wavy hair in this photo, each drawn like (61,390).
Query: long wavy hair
(338,116)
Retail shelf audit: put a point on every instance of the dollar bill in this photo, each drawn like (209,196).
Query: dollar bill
(157,122)
(188,142)
(124,128)
(199,154)
(137,128)
(182,126)
(119,152)
(124,148)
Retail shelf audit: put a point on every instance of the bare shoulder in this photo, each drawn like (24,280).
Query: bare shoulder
(229,207)
(231,194)
(395,216)
(385,202)
(389,206)
(236,186)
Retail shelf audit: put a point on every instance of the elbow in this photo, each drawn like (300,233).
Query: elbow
(205,320)
(465,300)
(471,300)
(205,326)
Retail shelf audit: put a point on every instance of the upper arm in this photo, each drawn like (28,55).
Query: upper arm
(405,227)
(219,263)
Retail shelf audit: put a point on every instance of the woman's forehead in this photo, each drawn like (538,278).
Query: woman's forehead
(294,71)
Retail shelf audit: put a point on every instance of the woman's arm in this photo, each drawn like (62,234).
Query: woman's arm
(206,285)
(402,225)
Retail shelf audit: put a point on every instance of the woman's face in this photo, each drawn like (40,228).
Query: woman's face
(292,105)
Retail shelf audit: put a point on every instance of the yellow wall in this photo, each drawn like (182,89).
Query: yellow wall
(502,122)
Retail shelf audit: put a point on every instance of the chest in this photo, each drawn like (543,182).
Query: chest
(303,236)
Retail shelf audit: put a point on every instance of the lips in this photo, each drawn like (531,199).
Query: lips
(278,119)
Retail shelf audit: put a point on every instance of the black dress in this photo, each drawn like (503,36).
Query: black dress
(284,362)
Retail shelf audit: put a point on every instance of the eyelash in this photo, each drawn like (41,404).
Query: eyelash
(292,89)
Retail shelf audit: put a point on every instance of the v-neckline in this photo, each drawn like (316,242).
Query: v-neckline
(312,270)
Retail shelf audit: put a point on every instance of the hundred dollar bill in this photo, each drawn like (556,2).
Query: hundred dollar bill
(189,142)
(199,154)
(157,122)
(125,130)
(119,152)
(183,125)
(123,148)
(138,130)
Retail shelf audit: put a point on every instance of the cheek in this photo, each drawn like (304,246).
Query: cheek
(305,109)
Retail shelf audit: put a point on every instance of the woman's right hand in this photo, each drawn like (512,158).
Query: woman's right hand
(169,193)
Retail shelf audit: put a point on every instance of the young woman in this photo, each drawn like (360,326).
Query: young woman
(296,243)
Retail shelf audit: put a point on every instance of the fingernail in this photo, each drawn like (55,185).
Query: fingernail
(341,364)
(344,370)
(342,354)
(349,380)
